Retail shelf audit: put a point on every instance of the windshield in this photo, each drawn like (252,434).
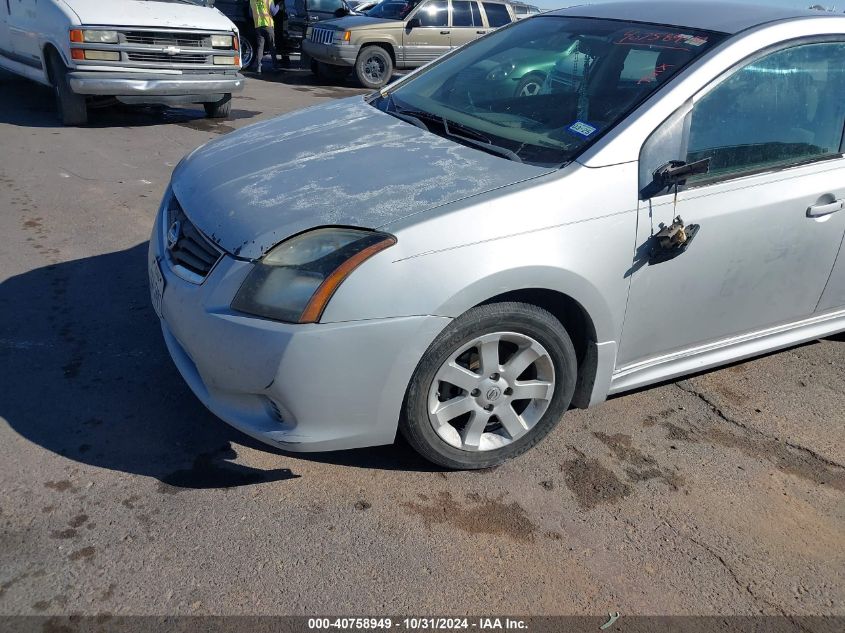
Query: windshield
(392,9)
(542,90)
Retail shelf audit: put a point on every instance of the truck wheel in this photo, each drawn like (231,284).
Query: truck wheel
(490,386)
(247,50)
(374,67)
(72,107)
(219,109)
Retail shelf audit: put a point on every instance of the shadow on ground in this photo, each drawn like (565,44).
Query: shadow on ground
(86,375)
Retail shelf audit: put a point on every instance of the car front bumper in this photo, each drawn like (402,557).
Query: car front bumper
(299,387)
(154,88)
(334,54)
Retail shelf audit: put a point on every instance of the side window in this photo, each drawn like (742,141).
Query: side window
(463,15)
(497,14)
(476,14)
(783,109)
(328,6)
(434,13)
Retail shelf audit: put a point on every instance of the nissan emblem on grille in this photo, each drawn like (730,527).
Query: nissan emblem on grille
(174,233)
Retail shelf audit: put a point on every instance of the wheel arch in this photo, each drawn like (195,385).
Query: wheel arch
(47,49)
(388,46)
(572,300)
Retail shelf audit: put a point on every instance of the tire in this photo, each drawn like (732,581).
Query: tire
(72,108)
(219,109)
(512,328)
(247,46)
(374,67)
(530,85)
(315,68)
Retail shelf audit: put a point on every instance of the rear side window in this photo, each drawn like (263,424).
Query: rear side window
(465,13)
(783,109)
(434,13)
(497,14)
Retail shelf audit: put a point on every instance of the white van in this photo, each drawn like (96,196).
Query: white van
(138,51)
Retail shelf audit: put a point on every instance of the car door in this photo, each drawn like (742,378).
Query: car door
(467,23)
(23,23)
(426,35)
(769,227)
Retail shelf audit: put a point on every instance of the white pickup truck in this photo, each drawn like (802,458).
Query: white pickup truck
(138,51)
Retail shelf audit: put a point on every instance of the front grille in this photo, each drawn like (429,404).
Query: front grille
(182,40)
(322,36)
(179,58)
(186,246)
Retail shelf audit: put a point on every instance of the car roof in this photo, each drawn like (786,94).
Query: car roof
(724,17)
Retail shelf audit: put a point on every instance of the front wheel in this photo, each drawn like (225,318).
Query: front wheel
(490,387)
(219,109)
(73,108)
(374,67)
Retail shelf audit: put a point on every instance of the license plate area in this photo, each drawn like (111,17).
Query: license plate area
(156,285)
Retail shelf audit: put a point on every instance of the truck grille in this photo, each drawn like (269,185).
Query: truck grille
(182,40)
(167,58)
(322,36)
(187,247)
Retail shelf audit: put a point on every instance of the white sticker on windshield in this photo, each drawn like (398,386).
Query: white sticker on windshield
(582,129)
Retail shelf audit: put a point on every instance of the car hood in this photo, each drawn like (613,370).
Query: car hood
(149,13)
(360,22)
(343,163)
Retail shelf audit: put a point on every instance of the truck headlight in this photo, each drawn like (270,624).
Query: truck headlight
(222,41)
(99,37)
(296,279)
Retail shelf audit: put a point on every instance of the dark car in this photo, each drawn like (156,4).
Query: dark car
(308,12)
(238,12)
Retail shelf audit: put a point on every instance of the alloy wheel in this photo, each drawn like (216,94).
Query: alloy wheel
(491,392)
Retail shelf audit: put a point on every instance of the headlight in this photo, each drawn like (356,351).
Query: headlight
(222,41)
(501,72)
(100,37)
(295,280)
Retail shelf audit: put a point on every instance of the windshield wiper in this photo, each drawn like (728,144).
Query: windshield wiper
(480,141)
(464,133)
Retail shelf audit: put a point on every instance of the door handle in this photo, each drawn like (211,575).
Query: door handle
(445,32)
(821,210)
(480,32)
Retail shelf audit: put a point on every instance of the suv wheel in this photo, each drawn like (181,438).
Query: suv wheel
(73,108)
(374,67)
(247,51)
(490,387)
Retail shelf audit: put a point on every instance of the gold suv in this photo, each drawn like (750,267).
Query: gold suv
(396,35)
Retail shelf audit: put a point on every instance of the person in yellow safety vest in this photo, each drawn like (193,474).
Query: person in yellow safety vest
(263,12)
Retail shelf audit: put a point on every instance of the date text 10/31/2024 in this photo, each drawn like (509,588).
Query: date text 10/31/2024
(416,624)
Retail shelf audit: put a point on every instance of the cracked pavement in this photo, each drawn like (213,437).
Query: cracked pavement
(722,493)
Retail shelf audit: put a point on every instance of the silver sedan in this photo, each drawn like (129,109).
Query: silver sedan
(463,262)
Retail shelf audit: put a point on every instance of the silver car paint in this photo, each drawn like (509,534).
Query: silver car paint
(574,231)
(253,188)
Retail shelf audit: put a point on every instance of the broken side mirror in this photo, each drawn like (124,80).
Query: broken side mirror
(672,241)
(673,174)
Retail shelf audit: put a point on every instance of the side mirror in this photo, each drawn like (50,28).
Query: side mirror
(673,174)
(413,23)
(342,12)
